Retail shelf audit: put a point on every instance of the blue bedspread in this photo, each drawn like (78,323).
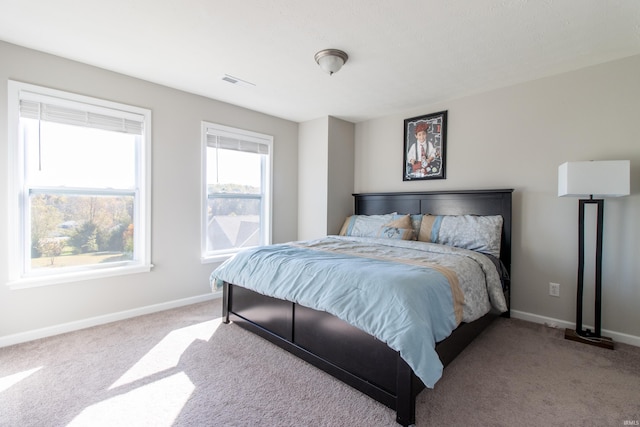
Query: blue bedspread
(410,303)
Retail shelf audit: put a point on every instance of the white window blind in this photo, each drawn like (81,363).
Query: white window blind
(47,109)
(229,143)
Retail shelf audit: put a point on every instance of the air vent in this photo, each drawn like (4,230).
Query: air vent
(237,81)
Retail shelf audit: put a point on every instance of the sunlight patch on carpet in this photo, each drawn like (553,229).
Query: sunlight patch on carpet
(166,354)
(139,407)
(11,380)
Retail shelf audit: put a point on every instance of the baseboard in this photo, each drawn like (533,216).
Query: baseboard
(127,314)
(101,320)
(561,324)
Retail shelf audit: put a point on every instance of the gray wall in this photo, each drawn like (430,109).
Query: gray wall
(517,137)
(340,173)
(175,232)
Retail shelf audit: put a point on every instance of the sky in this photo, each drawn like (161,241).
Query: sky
(225,170)
(96,154)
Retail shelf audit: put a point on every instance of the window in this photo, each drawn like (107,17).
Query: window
(79,204)
(236,190)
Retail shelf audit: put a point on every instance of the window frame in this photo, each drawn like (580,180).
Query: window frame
(209,128)
(19,213)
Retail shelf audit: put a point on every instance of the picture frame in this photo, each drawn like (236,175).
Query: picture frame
(425,159)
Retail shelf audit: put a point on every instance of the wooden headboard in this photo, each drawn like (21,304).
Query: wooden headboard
(471,202)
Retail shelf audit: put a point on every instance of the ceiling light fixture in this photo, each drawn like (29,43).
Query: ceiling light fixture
(331,60)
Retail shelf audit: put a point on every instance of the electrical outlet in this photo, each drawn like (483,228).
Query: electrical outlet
(554,289)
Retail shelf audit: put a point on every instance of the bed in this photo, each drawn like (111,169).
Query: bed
(360,359)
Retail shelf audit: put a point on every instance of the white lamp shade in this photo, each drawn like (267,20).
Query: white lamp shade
(609,178)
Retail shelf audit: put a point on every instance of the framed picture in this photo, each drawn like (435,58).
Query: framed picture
(425,144)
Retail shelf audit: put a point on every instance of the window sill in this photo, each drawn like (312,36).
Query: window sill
(216,258)
(57,279)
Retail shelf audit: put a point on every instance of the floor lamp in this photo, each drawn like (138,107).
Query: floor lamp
(589,179)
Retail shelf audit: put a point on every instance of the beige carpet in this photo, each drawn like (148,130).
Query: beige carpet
(183,368)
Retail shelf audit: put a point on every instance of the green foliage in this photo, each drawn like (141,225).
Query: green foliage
(85,238)
(223,206)
(100,222)
(233,189)
(115,240)
(127,237)
(45,217)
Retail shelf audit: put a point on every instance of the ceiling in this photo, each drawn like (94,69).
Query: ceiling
(402,54)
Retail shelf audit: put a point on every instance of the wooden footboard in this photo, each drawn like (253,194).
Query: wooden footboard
(343,351)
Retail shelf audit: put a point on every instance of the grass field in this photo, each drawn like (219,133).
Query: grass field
(70,260)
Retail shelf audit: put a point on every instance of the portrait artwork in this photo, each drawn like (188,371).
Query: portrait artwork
(424,147)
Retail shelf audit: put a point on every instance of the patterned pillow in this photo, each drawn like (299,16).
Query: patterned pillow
(400,228)
(477,233)
(365,225)
(416,220)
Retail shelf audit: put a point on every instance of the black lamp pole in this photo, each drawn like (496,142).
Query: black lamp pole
(580,334)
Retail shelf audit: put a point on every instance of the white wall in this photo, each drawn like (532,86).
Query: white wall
(325,187)
(516,138)
(178,273)
(313,167)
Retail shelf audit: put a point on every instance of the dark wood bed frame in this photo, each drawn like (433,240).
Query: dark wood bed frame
(347,353)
